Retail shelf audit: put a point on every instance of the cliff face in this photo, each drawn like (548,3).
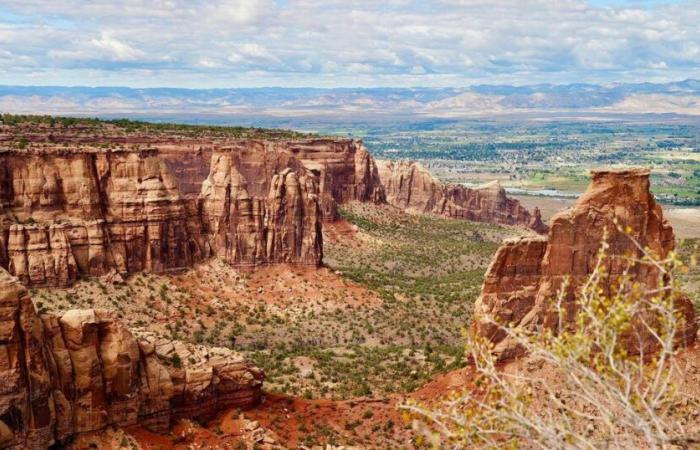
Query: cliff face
(346,171)
(78,373)
(83,210)
(526,274)
(72,212)
(260,205)
(408,185)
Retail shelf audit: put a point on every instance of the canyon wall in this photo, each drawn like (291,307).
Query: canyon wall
(67,213)
(74,206)
(84,211)
(260,205)
(83,371)
(408,185)
(526,274)
(346,170)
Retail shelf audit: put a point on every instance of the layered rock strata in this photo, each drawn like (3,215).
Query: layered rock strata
(261,205)
(346,171)
(80,210)
(343,168)
(526,275)
(71,212)
(408,185)
(83,371)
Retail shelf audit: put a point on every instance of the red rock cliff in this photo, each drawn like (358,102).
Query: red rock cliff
(87,211)
(345,169)
(408,185)
(78,373)
(527,273)
(260,205)
(67,213)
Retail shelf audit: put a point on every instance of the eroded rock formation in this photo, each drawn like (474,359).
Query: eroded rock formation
(82,371)
(526,274)
(161,203)
(261,205)
(79,209)
(346,171)
(408,185)
(71,212)
(68,213)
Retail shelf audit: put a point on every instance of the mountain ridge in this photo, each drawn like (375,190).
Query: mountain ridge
(677,97)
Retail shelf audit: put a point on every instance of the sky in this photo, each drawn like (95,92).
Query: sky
(346,43)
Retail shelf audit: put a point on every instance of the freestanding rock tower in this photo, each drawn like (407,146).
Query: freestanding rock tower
(526,274)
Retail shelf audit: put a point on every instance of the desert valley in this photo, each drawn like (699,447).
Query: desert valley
(170,286)
(349,225)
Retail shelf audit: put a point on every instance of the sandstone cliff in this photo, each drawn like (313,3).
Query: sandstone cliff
(526,274)
(67,213)
(408,185)
(88,211)
(261,205)
(345,169)
(82,371)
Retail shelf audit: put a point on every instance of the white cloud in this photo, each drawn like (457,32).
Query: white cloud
(9,59)
(208,63)
(253,55)
(658,65)
(308,42)
(254,51)
(238,11)
(115,49)
(360,68)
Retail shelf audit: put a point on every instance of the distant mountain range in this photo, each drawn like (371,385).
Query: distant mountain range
(681,98)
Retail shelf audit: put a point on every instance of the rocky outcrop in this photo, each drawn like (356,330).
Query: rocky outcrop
(71,213)
(526,274)
(82,371)
(81,210)
(408,185)
(345,169)
(66,213)
(536,223)
(259,206)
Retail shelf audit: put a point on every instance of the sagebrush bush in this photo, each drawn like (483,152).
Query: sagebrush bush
(583,386)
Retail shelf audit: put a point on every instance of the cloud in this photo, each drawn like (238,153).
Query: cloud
(352,42)
(116,50)
(251,52)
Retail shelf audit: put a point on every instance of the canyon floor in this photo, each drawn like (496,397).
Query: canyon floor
(384,315)
(367,423)
(340,345)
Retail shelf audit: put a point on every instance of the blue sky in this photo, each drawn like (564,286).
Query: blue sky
(328,43)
